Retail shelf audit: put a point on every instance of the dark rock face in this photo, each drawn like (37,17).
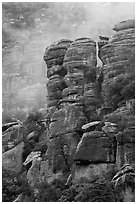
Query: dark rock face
(95,147)
(118,90)
(117,56)
(67,120)
(54,56)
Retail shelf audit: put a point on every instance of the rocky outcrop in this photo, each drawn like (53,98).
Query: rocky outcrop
(117,55)
(54,56)
(65,123)
(78,128)
(12,136)
(12,159)
(88,128)
(123,25)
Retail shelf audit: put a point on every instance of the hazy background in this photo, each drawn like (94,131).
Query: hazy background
(28,28)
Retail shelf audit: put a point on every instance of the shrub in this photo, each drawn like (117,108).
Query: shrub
(13,185)
(100,190)
(50,192)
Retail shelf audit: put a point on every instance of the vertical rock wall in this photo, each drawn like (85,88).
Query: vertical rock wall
(75,89)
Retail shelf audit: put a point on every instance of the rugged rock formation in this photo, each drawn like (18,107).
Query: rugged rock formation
(117,55)
(12,136)
(80,102)
(88,128)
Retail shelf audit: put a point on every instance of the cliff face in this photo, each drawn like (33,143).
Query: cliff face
(88,128)
(83,92)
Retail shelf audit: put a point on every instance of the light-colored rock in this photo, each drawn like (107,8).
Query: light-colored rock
(12,159)
(31,135)
(87,126)
(11,137)
(32,156)
(124,25)
(109,127)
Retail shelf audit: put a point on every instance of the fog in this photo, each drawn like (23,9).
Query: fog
(28,28)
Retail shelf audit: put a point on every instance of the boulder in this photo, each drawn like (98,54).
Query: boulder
(12,159)
(124,25)
(96,147)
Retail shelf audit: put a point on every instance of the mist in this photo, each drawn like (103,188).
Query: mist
(28,28)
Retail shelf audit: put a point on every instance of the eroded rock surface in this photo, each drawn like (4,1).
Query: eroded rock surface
(12,159)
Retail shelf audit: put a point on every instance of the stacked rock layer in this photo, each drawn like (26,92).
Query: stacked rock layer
(118,87)
(117,56)
(54,56)
(75,89)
